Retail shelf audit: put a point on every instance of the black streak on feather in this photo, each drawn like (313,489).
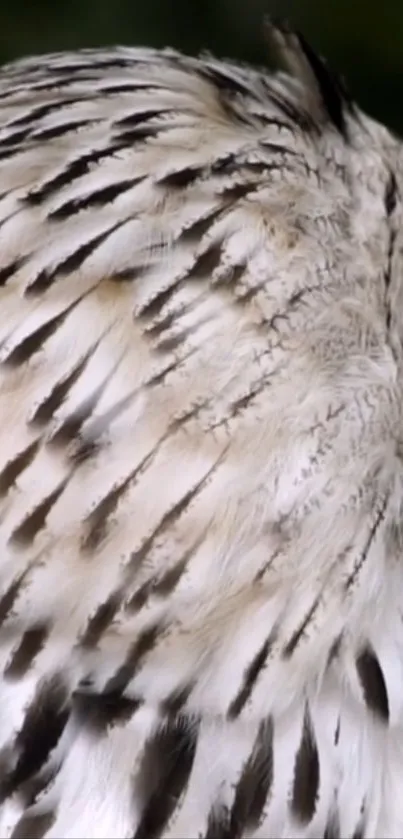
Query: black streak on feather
(73,171)
(100,621)
(227,83)
(128,87)
(335,650)
(51,403)
(359,832)
(25,533)
(141,647)
(218,823)
(36,340)
(206,263)
(139,133)
(195,231)
(336,738)
(254,784)
(9,597)
(7,272)
(332,829)
(31,644)
(391,193)
(57,131)
(373,683)
(5,154)
(43,725)
(239,405)
(363,556)
(140,597)
(14,139)
(71,425)
(164,585)
(16,466)
(36,114)
(306,774)
(33,826)
(163,774)
(181,178)
(98,712)
(334,97)
(74,70)
(72,263)
(128,275)
(153,307)
(98,519)
(169,519)
(176,701)
(233,166)
(131,120)
(250,678)
(299,633)
(60,84)
(98,198)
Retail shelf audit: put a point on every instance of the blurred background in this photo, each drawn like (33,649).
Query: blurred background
(362,39)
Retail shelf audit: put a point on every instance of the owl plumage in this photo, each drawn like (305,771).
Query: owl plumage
(201,469)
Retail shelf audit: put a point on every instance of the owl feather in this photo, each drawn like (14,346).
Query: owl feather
(201,478)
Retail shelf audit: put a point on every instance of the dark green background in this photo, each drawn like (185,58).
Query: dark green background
(363,40)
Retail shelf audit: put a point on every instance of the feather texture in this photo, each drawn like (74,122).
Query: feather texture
(200,451)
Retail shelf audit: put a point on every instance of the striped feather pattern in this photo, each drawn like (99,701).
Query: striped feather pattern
(201,474)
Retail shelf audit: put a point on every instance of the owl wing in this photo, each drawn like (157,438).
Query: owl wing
(200,519)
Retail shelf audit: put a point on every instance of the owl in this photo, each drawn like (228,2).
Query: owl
(201,450)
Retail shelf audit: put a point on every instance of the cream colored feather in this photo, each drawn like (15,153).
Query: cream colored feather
(201,478)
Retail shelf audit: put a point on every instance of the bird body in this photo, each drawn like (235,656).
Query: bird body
(200,451)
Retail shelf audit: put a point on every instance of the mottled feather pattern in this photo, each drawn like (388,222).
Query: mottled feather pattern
(201,477)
